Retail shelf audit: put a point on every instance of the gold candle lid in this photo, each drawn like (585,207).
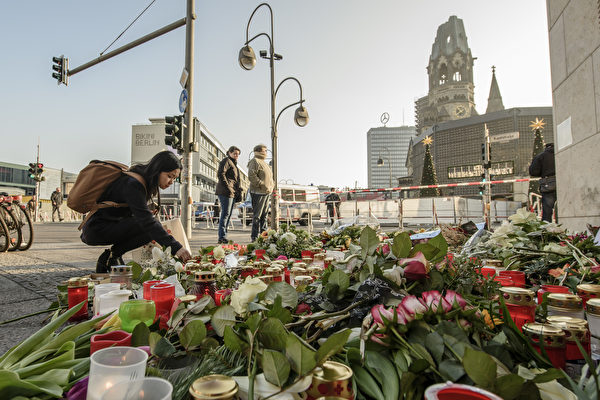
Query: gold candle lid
(266,278)
(207,265)
(307,260)
(332,371)
(215,387)
(319,257)
(273,270)
(553,336)
(298,270)
(588,288)
(187,298)
(493,263)
(78,282)
(592,306)
(204,276)
(302,280)
(565,300)
(189,267)
(120,269)
(315,269)
(299,265)
(328,259)
(517,295)
(573,327)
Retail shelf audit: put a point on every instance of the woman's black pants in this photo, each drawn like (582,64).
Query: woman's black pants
(124,235)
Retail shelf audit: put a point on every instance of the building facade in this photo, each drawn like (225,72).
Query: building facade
(450,73)
(575,66)
(390,145)
(148,139)
(457,150)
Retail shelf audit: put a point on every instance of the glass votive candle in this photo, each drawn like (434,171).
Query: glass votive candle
(574,328)
(248,270)
(204,284)
(551,338)
(332,379)
(295,272)
(567,305)
(99,290)
(518,277)
(306,254)
(315,271)
(163,295)
(209,387)
(113,365)
(588,291)
(260,254)
(488,273)
(504,281)
(77,291)
(327,261)
(192,267)
(112,300)
(132,312)
(121,274)
(593,319)
(146,288)
(221,296)
(276,273)
(109,339)
(458,391)
(302,281)
(550,289)
(149,388)
(520,303)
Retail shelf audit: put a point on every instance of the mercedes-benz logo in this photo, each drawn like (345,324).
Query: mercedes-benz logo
(385,117)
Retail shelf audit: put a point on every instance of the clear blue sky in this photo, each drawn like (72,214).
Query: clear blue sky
(355,59)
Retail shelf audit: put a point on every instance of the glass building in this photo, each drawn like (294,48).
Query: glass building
(389,144)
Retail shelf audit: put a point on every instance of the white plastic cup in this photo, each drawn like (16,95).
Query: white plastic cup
(112,300)
(99,290)
(113,365)
(150,388)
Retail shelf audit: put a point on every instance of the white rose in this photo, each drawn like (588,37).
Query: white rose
(218,253)
(395,274)
(178,267)
(246,293)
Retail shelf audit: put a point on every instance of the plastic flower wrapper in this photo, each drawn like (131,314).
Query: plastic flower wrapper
(557,248)
(242,296)
(264,389)
(289,237)
(219,253)
(553,228)
(522,216)
(394,274)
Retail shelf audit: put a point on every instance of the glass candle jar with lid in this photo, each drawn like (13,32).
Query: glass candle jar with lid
(214,387)
(328,261)
(504,281)
(192,267)
(146,288)
(567,305)
(204,284)
(266,278)
(593,318)
(163,295)
(574,328)
(77,291)
(332,379)
(520,303)
(588,291)
(276,273)
(518,277)
(551,338)
(297,270)
(301,282)
(550,289)
(121,274)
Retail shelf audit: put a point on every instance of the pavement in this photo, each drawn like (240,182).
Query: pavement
(28,279)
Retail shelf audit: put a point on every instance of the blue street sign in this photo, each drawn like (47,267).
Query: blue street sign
(183,100)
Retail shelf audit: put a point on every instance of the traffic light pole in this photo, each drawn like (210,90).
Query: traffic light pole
(188,132)
(487,195)
(36,214)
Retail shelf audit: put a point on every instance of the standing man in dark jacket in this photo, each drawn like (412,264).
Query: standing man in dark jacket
(333,205)
(228,188)
(261,186)
(56,198)
(543,166)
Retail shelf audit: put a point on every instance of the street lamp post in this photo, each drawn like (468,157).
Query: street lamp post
(389,160)
(247,60)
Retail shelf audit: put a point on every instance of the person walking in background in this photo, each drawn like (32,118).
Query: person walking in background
(333,205)
(228,189)
(261,185)
(56,198)
(31,206)
(127,228)
(543,166)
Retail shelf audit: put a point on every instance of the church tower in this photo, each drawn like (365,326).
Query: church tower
(450,71)
(495,98)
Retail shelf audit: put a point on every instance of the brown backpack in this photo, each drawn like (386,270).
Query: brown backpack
(92,181)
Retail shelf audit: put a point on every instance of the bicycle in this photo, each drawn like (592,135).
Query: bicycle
(11,220)
(25,222)
(4,236)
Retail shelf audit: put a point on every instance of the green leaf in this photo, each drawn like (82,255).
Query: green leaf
(332,346)
(401,362)
(233,341)
(341,279)
(223,316)
(368,241)
(366,383)
(147,276)
(301,358)
(430,252)
(253,306)
(549,375)
(435,344)
(272,334)
(66,354)
(136,270)
(440,243)
(509,386)
(277,311)
(275,367)
(289,296)
(153,339)
(451,370)
(401,245)
(12,386)
(480,367)
(253,321)
(192,334)
(421,352)
(419,365)
(385,369)
(436,280)
(178,315)
(201,304)
(163,348)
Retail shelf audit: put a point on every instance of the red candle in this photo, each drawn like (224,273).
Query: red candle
(518,277)
(504,280)
(553,340)
(204,284)
(550,289)
(147,285)
(520,304)
(260,254)
(487,272)
(77,291)
(163,295)
(110,339)
(220,296)
(306,254)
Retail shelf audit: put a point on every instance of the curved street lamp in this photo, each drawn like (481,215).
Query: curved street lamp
(247,60)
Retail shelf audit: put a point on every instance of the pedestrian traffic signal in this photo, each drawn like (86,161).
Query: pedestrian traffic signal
(39,170)
(173,131)
(60,66)
(32,167)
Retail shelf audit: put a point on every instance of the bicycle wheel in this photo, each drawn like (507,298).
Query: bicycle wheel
(26,226)
(4,238)
(14,228)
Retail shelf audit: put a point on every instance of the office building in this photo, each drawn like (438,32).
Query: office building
(387,147)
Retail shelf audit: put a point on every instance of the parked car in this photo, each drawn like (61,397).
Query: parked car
(205,210)
(297,202)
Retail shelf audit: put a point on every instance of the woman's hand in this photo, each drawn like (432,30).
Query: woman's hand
(183,254)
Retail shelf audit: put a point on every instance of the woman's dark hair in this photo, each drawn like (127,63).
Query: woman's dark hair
(232,149)
(165,161)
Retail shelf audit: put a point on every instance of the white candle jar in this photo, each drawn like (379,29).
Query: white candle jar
(113,365)
(149,388)
(593,318)
(101,289)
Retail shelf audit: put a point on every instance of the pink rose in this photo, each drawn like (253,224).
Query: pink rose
(415,268)
(385,249)
(282,257)
(379,312)
(452,297)
(413,306)
(433,299)
(402,315)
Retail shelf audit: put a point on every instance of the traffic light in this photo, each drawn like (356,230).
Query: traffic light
(483,152)
(173,131)
(39,170)
(482,186)
(32,168)
(60,66)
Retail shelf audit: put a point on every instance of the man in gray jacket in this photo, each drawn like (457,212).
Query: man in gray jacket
(261,186)
(56,198)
